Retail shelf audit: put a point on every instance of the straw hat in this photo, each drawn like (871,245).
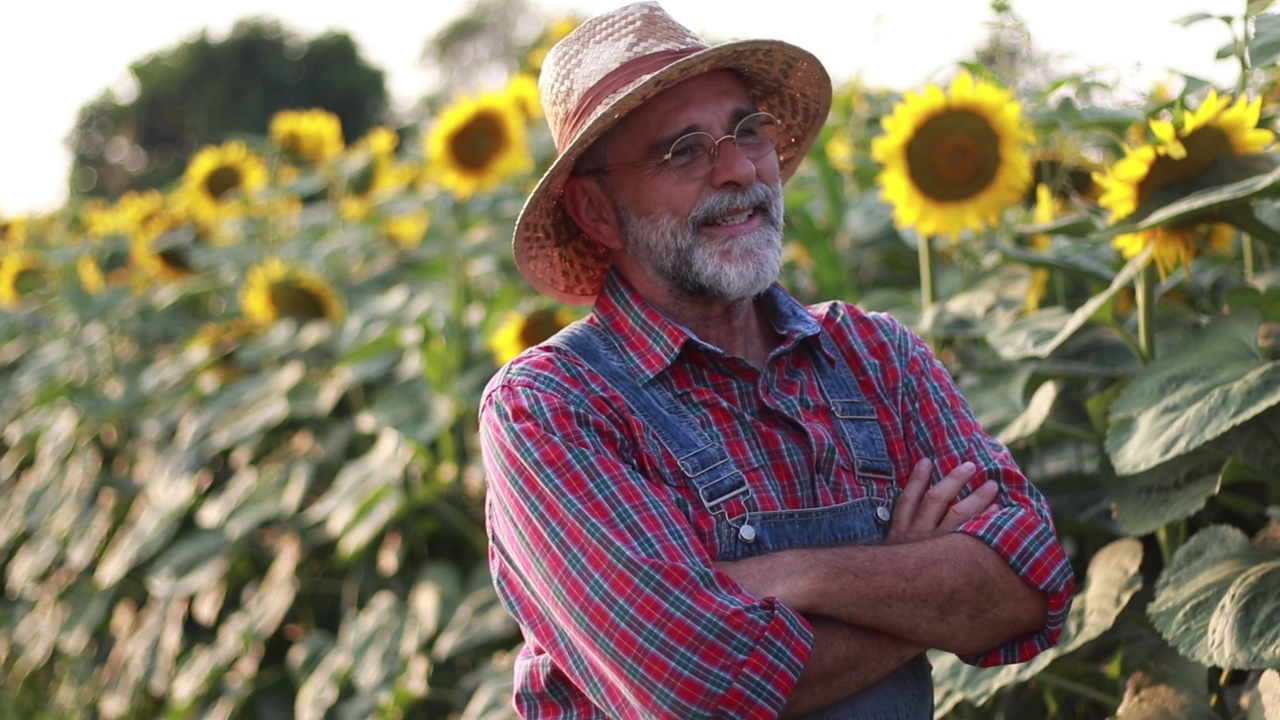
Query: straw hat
(607,67)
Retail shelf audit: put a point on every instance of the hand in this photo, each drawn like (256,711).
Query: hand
(763,575)
(922,512)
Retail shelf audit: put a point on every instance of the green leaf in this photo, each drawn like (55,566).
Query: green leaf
(1264,43)
(1144,502)
(193,561)
(1266,301)
(1040,333)
(1197,392)
(1114,575)
(1078,224)
(1033,417)
(1193,18)
(1218,599)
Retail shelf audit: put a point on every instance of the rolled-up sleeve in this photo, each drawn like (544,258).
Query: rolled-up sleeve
(601,568)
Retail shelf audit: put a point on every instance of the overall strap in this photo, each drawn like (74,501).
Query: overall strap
(705,464)
(858,418)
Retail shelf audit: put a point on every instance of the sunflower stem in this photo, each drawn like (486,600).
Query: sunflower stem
(1246,249)
(1144,290)
(928,286)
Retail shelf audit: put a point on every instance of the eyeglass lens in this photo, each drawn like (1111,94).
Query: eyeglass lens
(694,155)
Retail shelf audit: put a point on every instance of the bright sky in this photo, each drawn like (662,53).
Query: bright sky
(55,55)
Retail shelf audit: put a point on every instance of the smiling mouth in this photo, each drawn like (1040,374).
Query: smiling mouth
(735,219)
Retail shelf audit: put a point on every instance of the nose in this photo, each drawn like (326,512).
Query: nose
(732,167)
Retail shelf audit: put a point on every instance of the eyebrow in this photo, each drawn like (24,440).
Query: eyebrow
(663,144)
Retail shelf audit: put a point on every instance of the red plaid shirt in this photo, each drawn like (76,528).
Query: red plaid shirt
(607,565)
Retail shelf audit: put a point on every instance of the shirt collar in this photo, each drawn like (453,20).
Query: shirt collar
(656,342)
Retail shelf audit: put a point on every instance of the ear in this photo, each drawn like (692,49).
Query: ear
(588,203)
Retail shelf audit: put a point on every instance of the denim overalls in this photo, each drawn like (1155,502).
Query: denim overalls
(907,693)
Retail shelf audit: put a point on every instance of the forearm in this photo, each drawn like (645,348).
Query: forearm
(951,592)
(844,660)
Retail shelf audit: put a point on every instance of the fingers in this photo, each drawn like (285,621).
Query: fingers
(904,507)
(973,504)
(921,511)
(934,504)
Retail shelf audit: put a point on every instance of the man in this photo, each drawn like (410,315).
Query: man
(704,499)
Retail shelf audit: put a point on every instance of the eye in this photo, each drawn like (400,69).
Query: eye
(690,149)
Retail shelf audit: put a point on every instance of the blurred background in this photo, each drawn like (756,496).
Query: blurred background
(57,56)
(255,272)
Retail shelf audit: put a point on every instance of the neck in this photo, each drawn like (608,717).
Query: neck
(738,327)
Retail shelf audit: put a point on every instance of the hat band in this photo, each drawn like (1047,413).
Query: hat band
(611,83)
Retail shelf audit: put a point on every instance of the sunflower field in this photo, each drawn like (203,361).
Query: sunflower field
(238,454)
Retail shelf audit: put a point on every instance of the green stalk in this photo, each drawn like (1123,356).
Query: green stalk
(1144,290)
(928,285)
(1171,536)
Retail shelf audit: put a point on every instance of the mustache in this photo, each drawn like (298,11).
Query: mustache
(758,196)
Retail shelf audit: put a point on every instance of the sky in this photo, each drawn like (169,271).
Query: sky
(56,55)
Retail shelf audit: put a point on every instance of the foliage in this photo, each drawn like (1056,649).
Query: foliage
(238,457)
(204,91)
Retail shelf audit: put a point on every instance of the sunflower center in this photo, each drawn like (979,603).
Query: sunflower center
(294,301)
(476,144)
(28,281)
(1204,146)
(953,155)
(538,326)
(222,180)
(175,259)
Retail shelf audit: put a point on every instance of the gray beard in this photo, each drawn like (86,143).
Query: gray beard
(692,265)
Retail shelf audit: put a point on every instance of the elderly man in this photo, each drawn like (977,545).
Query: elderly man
(706,499)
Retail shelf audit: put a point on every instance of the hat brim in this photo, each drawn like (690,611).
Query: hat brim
(552,252)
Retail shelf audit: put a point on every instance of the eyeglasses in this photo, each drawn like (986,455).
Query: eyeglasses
(694,155)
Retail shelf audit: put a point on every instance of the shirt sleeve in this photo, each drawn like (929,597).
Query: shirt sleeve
(1021,531)
(604,574)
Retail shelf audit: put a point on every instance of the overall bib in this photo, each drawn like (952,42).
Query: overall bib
(905,694)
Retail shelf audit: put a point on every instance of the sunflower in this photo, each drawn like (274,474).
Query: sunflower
(522,89)
(839,151)
(477,143)
(381,175)
(218,177)
(1218,128)
(1046,209)
(274,290)
(314,134)
(21,273)
(519,332)
(953,162)
(13,232)
(407,229)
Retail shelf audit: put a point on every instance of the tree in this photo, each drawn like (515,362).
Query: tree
(204,91)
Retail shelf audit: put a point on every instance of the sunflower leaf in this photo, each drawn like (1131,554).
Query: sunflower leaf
(1194,394)
(1216,600)
(1230,180)
(1040,333)
(1078,224)
(1264,45)
(1149,500)
(1193,18)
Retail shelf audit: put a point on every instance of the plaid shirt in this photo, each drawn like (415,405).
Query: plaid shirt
(604,556)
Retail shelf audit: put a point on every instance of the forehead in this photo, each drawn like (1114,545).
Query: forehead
(702,99)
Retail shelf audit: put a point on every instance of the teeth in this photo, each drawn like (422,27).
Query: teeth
(732,219)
